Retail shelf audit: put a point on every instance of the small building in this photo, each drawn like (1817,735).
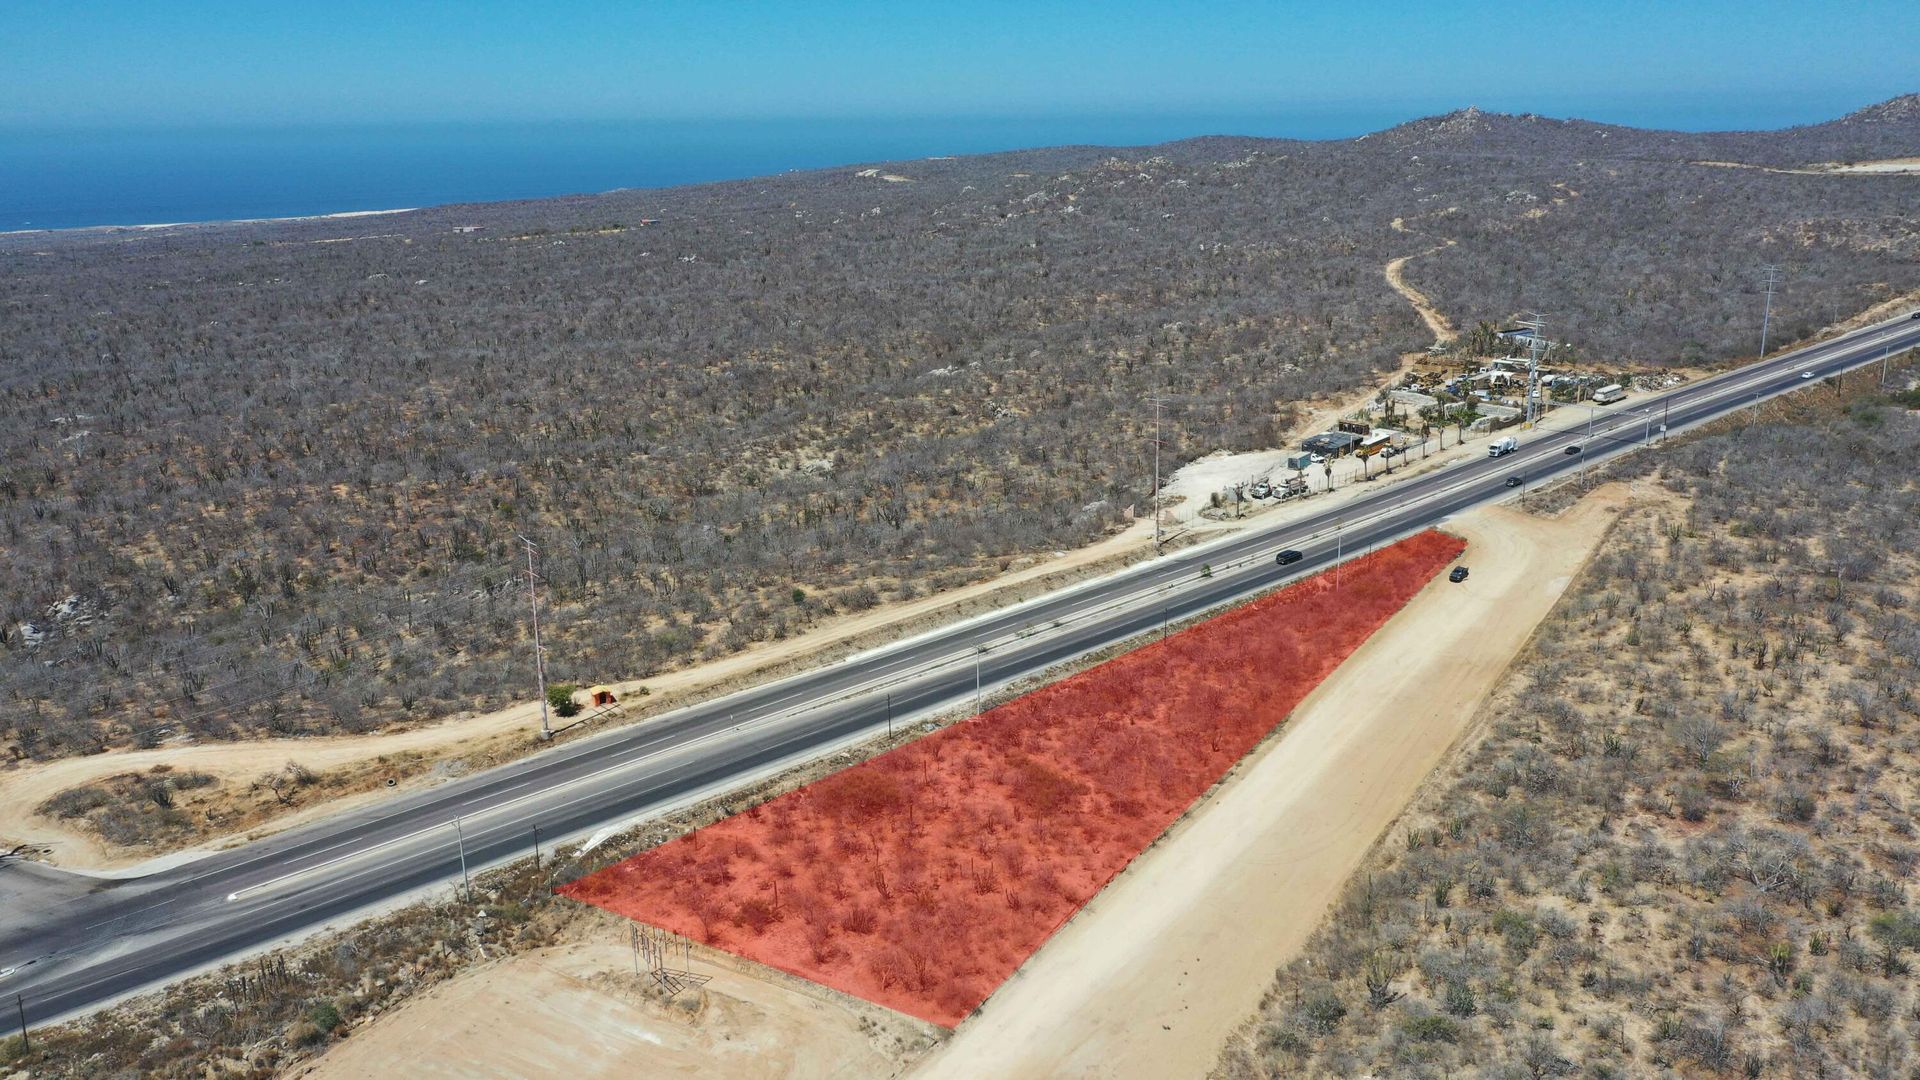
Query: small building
(1332,443)
(1379,440)
(600,696)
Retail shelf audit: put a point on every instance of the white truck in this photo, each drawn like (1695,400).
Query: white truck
(1503,447)
(1609,394)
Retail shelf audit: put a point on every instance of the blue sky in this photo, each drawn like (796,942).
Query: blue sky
(224,62)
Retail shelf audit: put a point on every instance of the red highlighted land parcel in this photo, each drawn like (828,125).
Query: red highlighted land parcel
(921,879)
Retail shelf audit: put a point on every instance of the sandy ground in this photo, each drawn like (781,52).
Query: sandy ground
(574,1010)
(1887,167)
(1890,165)
(1152,976)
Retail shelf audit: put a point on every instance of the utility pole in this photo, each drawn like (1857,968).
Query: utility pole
(1766,313)
(539,655)
(1536,322)
(20,1006)
(889,716)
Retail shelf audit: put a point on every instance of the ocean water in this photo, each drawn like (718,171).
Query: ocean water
(61,179)
(75,178)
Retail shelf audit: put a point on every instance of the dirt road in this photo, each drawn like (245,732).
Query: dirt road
(1152,976)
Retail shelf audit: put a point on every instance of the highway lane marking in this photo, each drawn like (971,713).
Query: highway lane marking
(482,833)
(1170,575)
(1166,577)
(1173,575)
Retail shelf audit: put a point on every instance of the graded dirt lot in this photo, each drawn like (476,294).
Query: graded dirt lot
(1151,976)
(579,1011)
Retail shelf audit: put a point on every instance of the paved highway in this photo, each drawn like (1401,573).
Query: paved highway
(131,934)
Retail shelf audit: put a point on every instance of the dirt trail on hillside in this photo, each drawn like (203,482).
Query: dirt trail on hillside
(1437,322)
(1152,976)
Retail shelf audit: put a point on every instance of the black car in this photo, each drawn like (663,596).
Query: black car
(1288,556)
(1572,450)
(1459,575)
(1513,481)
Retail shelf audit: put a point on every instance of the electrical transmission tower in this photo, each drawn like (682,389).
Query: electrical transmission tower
(539,655)
(1766,313)
(1535,322)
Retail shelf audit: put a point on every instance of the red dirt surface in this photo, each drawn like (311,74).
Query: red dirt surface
(922,878)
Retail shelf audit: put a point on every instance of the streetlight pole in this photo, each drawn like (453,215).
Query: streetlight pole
(1588,448)
(461,836)
(978,652)
(1339,547)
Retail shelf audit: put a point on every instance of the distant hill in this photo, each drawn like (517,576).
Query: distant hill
(1889,129)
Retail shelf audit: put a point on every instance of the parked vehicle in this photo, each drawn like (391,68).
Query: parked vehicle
(1262,490)
(1459,575)
(1609,394)
(1503,447)
(1288,557)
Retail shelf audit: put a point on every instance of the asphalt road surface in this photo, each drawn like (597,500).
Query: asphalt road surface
(66,949)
